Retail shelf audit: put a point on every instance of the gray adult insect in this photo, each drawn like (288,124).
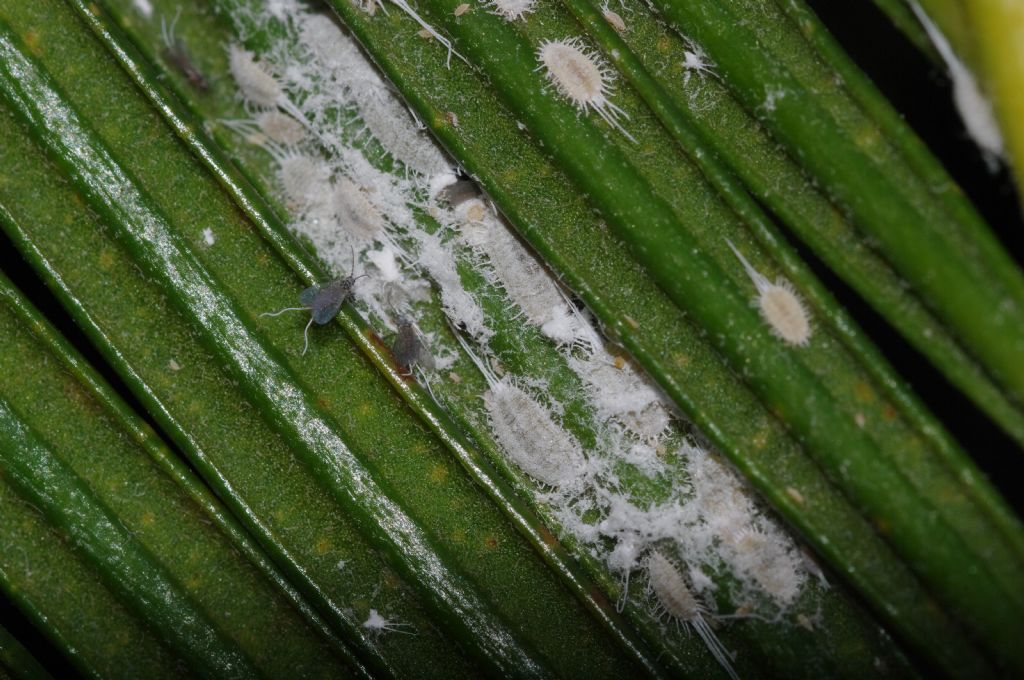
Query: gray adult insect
(324,300)
(408,348)
(175,53)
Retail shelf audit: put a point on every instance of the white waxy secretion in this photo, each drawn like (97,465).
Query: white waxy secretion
(780,306)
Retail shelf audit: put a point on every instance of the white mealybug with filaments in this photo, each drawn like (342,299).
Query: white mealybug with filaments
(377,623)
(510,265)
(298,173)
(669,586)
(527,433)
(258,85)
(268,126)
(358,216)
(582,77)
(695,60)
(281,128)
(975,110)
(780,306)
(613,19)
(511,9)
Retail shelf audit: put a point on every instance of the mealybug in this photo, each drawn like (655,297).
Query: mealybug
(780,306)
(676,600)
(527,433)
(258,85)
(511,9)
(581,77)
(376,622)
(613,19)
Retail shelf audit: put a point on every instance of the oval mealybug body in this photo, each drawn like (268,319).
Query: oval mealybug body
(780,306)
(582,77)
(527,433)
(511,9)
(258,86)
(676,600)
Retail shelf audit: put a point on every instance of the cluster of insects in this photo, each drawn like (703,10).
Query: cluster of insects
(528,426)
(323,301)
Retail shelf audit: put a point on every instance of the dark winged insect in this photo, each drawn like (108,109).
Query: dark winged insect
(177,55)
(408,348)
(323,300)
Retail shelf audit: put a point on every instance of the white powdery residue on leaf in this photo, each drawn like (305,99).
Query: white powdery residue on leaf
(391,196)
(437,260)
(385,261)
(757,551)
(390,123)
(641,456)
(713,521)
(618,390)
(209,238)
(338,57)
(439,182)
(772,96)
(380,108)
(975,109)
(530,287)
